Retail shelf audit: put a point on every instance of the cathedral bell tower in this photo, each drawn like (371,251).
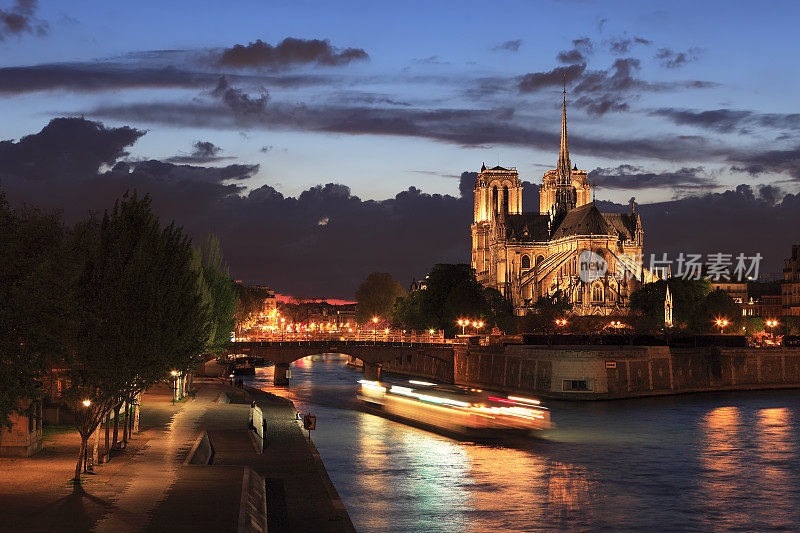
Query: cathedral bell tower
(498,192)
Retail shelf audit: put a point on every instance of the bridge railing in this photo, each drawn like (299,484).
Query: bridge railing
(361,337)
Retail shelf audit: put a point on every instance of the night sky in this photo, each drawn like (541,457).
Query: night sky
(325,140)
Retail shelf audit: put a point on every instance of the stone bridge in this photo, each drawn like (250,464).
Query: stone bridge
(374,354)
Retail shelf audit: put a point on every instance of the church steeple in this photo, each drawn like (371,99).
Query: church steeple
(564,168)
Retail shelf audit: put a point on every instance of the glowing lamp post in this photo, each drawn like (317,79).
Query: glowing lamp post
(374,330)
(721,323)
(561,322)
(771,323)
(463,323)
(174,385)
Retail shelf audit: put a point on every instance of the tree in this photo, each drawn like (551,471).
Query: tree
(452,292)
(34,275)
(545,311)
(719,304)
(408,312)
(222,294)
(688,297)
(377,296)
(143,310)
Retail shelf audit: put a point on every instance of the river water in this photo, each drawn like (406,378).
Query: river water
(709,462)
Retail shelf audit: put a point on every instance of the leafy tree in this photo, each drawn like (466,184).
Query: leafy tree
(34,274)
(544,313)
(452,292)
(408,312)
(501,310)
(377,296)
(143,310)
(222,293)
(688,297)
(719,304)
(752,325)
(250,301)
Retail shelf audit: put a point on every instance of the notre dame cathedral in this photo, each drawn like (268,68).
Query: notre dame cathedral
(592,258)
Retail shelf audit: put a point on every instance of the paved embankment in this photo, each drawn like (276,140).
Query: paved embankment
(150,485)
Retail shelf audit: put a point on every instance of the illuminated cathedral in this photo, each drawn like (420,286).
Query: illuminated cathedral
(592,259)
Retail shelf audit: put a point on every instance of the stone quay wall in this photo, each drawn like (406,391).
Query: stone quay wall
(610,372)
(431,363)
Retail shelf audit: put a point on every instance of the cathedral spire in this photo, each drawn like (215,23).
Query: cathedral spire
(564,166)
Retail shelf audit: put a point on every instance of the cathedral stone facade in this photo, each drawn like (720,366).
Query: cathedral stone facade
(593,259)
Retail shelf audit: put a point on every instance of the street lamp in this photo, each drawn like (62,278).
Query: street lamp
(771,323)
(174,385)
(86,403)
(561,322)
(374,330)
(463,323)
(721,323)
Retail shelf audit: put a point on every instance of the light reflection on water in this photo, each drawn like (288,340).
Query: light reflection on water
(693,462)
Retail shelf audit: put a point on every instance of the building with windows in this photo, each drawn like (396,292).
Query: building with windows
(790,288)
(567,247)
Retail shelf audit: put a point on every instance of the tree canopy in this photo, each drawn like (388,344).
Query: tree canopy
(695,305)
(452,292)
(377,296)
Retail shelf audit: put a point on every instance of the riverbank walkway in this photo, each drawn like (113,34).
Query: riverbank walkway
(150,487)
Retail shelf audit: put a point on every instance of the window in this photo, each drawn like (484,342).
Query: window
(494,199)
(526,262)
(597,293)
(577,385)
(505,199)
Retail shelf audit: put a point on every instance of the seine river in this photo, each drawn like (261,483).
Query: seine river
(709,462)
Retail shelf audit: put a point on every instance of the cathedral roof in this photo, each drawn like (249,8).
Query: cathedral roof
(527,227)
(623,223)
(584,220)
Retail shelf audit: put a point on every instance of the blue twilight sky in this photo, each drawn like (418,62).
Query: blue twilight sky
(701,93)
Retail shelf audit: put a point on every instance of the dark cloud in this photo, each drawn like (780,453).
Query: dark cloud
(601,91)
(735,221)
(508,46)
(20,19)
(279,240)
(571,56)
(671,59)
(553,78)
(583,44)
(623,45)
(356,97)
(730,120)
(633,178)
(203,152)
(769,161)
(466,127)
(114,75)
(289,52)
(240,103)
(64,149)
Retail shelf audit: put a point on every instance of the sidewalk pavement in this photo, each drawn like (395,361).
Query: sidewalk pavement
(148,486)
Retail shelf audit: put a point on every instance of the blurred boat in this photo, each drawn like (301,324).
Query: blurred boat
(456,409)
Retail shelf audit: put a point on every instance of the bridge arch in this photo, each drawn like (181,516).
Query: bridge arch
(374,355)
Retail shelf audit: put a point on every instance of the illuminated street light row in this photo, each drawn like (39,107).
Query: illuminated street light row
(464,322)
